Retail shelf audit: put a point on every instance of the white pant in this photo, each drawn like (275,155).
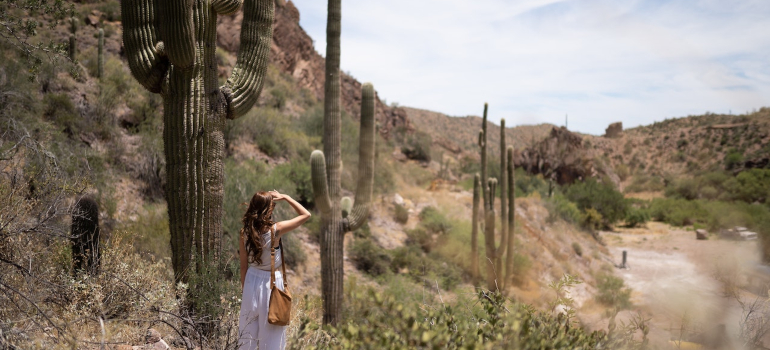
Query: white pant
(253,327)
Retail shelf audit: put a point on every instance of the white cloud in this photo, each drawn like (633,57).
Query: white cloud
(534,61)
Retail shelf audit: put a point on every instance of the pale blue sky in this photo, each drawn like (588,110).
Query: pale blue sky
(534,61)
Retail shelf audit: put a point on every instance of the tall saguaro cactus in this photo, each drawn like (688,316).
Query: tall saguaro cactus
(340,215)
(475,228)
(489,234)
(170,47)
(511,212)
(500,252)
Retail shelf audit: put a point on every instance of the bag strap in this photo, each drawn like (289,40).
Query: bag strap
(272,259)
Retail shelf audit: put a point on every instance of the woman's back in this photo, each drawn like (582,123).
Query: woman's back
(265,265)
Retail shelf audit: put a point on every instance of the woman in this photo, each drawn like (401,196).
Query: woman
(254,251)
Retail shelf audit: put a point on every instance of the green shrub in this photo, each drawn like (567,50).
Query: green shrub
(560,207)
(733,159)
(521,266)
(599,196)
(612,292)
(636,217)
(434,221)
(294,252)
(420,237)
(592,219)
(417,146)
(402,215)
(369,257)
(527,184)
(622,171)
(577,248)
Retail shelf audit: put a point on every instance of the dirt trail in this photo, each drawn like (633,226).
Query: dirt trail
(688,288)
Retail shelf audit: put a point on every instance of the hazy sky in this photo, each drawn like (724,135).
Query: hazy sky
(534,61)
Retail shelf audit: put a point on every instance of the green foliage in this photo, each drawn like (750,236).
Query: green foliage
(418,236)
(402,215)
(622,171)
(592,219)
(208,289)
(369,257)
(577,248)
(643,183)
(487,321)
(752,185)
(293,252)
(733,159)
(560,207)
(434,221)
(636,216)
(527,184)
(417,146)
(602,197)
(612,292)
(274,133)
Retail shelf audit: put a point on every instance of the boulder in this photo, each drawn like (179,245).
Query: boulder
(701,234)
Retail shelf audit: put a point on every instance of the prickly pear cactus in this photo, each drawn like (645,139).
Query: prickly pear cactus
(170,46)
(84,236)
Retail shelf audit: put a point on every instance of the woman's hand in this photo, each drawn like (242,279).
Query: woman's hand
(277,196)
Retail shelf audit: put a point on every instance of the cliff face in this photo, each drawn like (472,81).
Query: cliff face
(292,52)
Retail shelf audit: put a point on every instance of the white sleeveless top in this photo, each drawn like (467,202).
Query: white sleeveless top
(265,265)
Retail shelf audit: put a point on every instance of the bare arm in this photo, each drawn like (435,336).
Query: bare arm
(244,257)
(286,226)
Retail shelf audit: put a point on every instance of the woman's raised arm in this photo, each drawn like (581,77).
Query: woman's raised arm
(288,225)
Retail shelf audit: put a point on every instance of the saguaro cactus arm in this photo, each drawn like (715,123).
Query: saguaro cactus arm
(245,83)
(226,7)
(144,51)
(177,31)
(365,160)
(318,177)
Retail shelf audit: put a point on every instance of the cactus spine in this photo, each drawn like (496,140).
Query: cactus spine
(100,58)
(84,236)
(511,212)
(503,205)
(340,216)
(475,228)
(170,48)
(73,51)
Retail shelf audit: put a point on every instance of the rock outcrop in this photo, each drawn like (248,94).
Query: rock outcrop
(562,157)
(615,130)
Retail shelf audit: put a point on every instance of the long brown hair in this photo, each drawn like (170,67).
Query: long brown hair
(256,222)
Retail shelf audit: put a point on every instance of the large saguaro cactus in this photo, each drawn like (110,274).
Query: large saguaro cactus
(511,212)
(337,215)
(475,228)
(503,204)
(170,46)
(489,234)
